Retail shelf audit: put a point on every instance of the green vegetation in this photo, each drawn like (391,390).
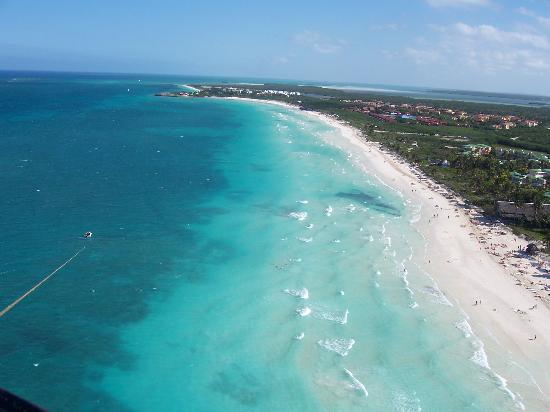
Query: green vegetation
(440,150)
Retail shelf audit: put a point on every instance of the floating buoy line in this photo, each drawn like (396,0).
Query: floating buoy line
(31,290)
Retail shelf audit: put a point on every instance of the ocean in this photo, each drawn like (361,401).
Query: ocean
(239,262)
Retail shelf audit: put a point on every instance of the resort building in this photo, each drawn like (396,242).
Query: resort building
(477,149)
(530,123)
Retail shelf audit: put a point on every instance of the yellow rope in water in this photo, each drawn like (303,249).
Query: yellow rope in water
(27,293)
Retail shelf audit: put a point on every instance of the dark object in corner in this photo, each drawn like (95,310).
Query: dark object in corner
(531,249)
(12,403)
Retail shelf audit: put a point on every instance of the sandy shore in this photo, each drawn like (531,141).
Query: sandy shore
(473,260)
(186,86)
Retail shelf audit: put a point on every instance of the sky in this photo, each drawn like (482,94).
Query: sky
(488,45)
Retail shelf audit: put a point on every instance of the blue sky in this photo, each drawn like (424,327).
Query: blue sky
(495,45)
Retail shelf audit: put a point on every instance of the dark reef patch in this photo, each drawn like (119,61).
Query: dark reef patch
(370,201)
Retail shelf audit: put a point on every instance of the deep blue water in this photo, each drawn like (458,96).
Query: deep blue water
(77,156)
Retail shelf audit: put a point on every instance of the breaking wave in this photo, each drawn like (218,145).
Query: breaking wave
(341,346)
(298,215)
(302,293)
(356,383)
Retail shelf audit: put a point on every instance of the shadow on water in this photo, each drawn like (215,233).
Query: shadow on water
(238,385)
(370,201)
(73,322)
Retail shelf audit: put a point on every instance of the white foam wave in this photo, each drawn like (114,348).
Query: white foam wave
(437,294)
(356,383)
(328,211)
(310,226)
(405,279)
(302,293)
(338,317)
(403,402)
(298,215)
(304,202)
(465,328)
(341,346)
(300,336)
(503,385)
(305,239)
(415,219)
(480,357)
(351,207)
(304,311)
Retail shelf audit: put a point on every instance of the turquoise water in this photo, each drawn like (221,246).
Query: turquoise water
(239,262)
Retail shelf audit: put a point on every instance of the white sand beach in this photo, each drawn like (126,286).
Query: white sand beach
(472,260)
(460,256)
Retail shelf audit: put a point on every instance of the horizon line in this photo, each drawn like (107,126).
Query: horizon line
(326,83)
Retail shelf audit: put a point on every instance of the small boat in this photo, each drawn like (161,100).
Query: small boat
(87,235)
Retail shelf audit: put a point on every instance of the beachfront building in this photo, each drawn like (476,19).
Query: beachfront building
(517,178)
(527,211)
(517,154)
(477,149)
(482,118)
(530,123)
(538,177)
(384,117)
(429,121)
(535,178)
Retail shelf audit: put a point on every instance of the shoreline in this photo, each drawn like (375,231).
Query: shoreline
(186,86)
(471,261)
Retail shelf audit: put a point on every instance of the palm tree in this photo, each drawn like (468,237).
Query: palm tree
(538,200)
(547,240)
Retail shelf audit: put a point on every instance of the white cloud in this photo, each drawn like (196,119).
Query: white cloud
(507,38)
(319,42)
(385,27)
(280,60)
(458,3)
(543,21)
(485,48)
(423,56)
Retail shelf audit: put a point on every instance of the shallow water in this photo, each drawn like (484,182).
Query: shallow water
(239,262)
